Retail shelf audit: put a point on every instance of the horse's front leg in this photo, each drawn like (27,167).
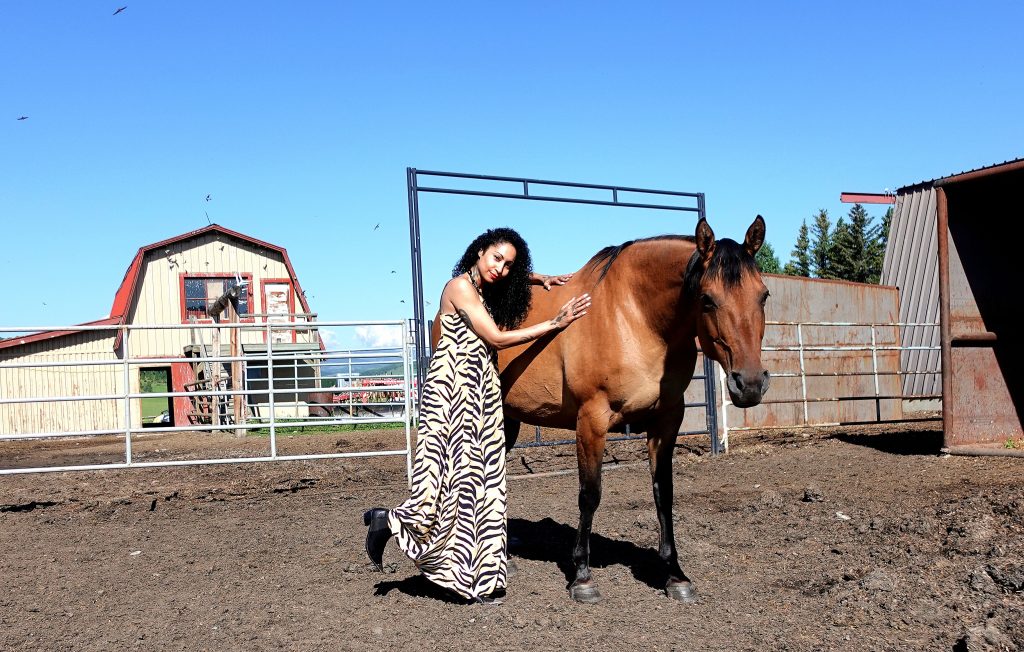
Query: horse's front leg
(661,441)
(591,432)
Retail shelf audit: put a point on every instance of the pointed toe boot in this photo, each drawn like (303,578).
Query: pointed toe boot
(377,535)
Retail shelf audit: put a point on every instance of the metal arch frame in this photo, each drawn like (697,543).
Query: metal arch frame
(415,247)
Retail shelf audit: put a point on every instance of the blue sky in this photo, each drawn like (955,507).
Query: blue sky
(299,120)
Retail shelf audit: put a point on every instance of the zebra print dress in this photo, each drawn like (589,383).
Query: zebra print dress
(453,524)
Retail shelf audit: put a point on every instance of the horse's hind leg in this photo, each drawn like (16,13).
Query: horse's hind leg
(660,445)
(591,432)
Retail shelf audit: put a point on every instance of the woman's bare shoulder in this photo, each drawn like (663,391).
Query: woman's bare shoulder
(457,290)
(458,286)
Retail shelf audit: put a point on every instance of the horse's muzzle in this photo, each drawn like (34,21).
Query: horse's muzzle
(746,389)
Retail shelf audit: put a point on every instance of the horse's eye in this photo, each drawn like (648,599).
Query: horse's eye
(707,303)
(764,299)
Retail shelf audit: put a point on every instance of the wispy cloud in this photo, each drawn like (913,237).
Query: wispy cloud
(379,336)
(330,337)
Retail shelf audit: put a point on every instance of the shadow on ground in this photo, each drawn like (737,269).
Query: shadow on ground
(552,542)
(549,541)
(922,442)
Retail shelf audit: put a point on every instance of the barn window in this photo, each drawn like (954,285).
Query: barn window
(202,291)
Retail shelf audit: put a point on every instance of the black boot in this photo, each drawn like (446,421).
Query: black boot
(377,535)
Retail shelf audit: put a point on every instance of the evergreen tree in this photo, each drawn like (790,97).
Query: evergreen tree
(843,259)
(876,248)
(766,259)
(821,245)
(856,249)
(800,263)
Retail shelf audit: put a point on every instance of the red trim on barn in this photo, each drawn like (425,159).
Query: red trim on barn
(866,198)
(181,373)
(49,335)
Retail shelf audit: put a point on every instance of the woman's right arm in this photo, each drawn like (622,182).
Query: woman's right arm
(471,309)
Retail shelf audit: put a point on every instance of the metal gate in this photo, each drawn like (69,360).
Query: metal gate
(527,189)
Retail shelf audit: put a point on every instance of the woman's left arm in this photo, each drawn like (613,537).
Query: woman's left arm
(547,281)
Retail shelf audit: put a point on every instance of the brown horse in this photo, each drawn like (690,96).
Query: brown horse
(630,360)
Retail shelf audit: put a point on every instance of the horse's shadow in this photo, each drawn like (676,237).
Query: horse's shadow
(550,541)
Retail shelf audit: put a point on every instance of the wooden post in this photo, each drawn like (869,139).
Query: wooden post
(237,400)
(227,301)
(215,371)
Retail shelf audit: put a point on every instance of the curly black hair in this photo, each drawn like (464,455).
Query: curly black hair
(507,299)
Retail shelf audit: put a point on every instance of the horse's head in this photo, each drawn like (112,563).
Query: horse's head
(726,283)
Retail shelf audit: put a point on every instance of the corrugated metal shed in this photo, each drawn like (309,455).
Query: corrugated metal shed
(912,265)
(951,265)
(980,228)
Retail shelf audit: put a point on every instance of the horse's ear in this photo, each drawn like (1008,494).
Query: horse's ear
(755,236)
(705,240)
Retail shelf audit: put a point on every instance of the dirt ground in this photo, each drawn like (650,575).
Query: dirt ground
(841,539)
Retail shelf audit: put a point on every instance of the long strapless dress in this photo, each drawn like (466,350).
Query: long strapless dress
(453,525)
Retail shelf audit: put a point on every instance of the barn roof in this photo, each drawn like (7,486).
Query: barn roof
(995,168)
(124,294)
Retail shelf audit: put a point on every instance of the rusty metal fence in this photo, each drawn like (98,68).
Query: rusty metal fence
(857,382)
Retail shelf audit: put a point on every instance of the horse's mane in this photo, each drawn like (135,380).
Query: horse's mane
(730,261)
(608,255)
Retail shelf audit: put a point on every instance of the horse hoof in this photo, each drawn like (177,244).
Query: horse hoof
(586,593)
(685,592)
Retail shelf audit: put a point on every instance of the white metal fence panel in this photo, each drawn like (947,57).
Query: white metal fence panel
(247,378)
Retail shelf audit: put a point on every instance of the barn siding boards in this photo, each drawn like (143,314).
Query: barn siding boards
(90,380)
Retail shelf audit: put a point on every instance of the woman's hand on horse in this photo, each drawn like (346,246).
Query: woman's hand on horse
(547,281)
(573,309)
(560,279)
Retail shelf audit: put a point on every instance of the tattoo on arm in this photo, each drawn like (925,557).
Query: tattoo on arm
(465,318)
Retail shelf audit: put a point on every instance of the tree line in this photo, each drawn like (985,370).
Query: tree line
(852,250)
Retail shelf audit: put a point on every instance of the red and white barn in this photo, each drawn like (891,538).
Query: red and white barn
(173,281)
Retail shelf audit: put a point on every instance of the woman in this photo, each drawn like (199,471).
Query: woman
(453,524)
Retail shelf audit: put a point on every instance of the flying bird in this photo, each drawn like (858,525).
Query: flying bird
(392,271)
(24,117)
(377,226)
(207,198)
(120,10)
